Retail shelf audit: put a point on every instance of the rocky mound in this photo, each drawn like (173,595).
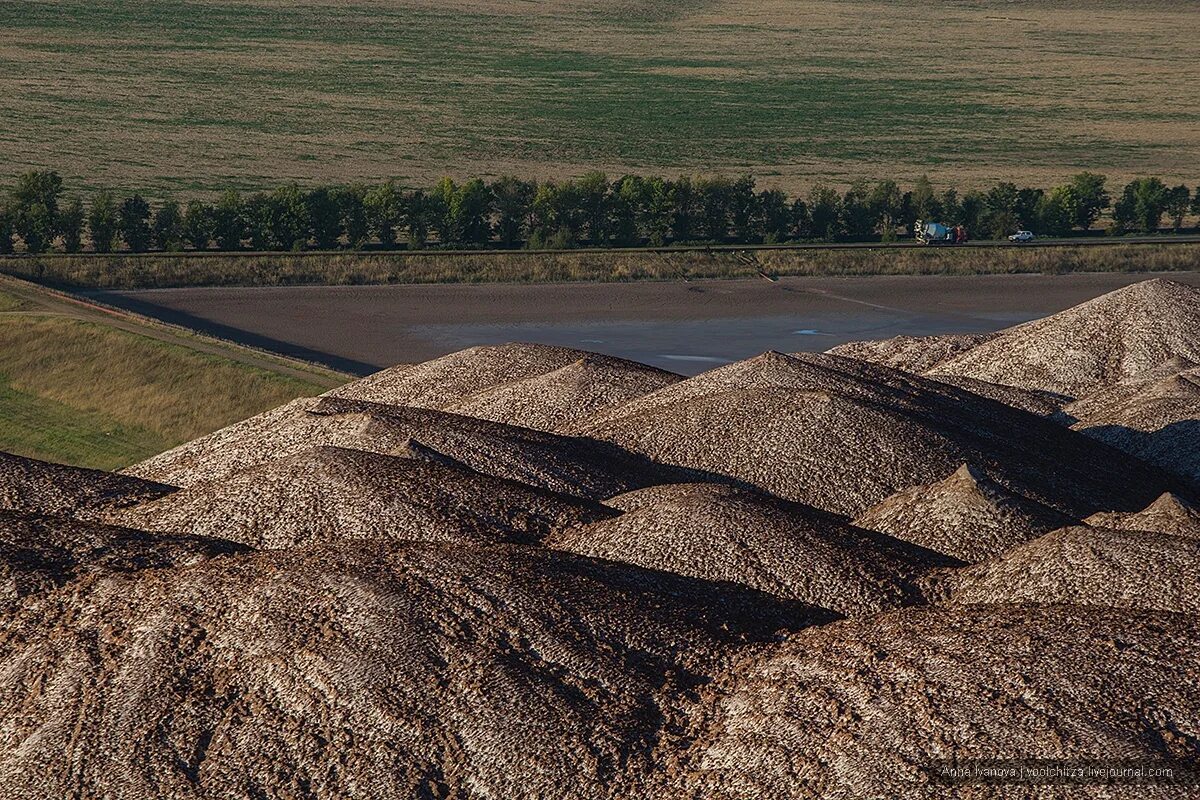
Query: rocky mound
(40,552)
(843,434)
(331,494)
(1170,513)
(1154,415)
(534,385)
(1090,567)
(912,353)
(1101,342)
(422,670)
(865,709)
(551,400)
(39,487)
(569,465)
(967,516)
(1044,404)
(726,534)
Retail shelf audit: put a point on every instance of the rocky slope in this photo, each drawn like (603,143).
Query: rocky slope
(1154,415)
(727,534)
(1170,513)
(966,515)
(1089,567)
(387,671)
(331,493)
(867,709)
(39,487)
(1098,343)
(843,434)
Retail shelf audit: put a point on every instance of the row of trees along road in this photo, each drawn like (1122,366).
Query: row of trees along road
(591,210)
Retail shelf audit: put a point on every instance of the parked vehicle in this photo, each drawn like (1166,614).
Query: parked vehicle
(1022,236)
(937,233)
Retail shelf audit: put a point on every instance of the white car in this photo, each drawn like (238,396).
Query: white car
(1022,236)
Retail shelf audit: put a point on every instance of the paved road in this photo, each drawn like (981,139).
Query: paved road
(682,326)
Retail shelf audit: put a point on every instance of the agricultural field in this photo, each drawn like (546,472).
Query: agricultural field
(192,96)
(78,389)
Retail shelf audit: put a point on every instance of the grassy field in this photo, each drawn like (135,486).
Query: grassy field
(194,95)
(78,391)
(151,271)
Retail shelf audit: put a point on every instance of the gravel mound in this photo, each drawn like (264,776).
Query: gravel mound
(565,464)
(548,402)
(1170,513)
(1154,416)
(864,709)
(534,385)
(727,534)
(39,487)
(912,353)
(422,670)
(39,552)
(330,494)
(1089,567)
(1101,342)
(842,435)
(967,516)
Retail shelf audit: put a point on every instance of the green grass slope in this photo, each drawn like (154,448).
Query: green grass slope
(79,392)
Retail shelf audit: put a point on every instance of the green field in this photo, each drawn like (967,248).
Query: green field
(78,391)
(196,95)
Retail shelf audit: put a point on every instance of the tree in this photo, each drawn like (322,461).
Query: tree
(1176,205)
(417,214)
(351,201)
(200,225)
(972,212)
(437,210)
(1056,211)
(103,221)
(7,229)
(595,207)
(324,219)
(470,211)
(658,210)
(1000,210)
(887,208)
(685,209)
(714,195)
(70,224)
(825,211)
(925,205)
(258,216)
(384,209)
(629,198)
(857,221)
(802,221)
(952,210)
(167,226)
(1090,198)
(1026,208)
(1141,205)
(134,224)
(229,222)
(35,209)
(774,216)
(1196,202)
(290,217)
(743,210)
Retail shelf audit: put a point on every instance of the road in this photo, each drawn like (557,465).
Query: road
(681,326)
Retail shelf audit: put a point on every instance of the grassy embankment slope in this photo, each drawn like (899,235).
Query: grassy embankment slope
(166,270)
(77,388)
(192,96)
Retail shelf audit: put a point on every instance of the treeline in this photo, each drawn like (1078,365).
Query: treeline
(588,211)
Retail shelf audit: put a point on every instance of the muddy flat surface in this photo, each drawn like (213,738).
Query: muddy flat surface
(684,326)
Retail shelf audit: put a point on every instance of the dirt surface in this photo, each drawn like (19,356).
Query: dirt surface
(364,328)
